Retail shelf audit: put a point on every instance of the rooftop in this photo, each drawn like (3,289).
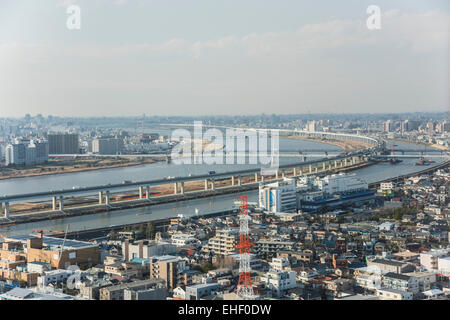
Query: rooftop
(398,276)
(53,242)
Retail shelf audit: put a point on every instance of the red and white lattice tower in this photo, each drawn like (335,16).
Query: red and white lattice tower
(244,289)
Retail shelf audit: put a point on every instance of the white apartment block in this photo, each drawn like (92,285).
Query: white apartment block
(278,196)
(278,281)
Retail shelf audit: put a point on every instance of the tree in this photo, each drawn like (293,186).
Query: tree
(151,230)
(112,235)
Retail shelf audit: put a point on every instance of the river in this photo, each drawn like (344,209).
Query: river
(372,173)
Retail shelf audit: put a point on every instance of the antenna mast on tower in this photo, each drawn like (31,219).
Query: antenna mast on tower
(244,289)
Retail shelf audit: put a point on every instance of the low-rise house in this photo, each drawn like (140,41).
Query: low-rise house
(393,294)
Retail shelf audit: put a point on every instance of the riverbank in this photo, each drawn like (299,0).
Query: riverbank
(60,167)
(436,146)
(346,145)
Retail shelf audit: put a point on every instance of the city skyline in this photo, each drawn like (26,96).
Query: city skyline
(135,57)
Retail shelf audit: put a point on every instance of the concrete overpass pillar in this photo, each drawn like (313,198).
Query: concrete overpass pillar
(6,210)
(175,188)
(100,197)
(262,178)
(54,203)
(213,185)
(182,187)
(141,192)
(256,177)
(276,174)
(282,174)
(310,168)
(107,197)
(232,180)
(324,166)
(61,203)
(295,172)
(206,184)
(335,163)
(147,192)
(239,181)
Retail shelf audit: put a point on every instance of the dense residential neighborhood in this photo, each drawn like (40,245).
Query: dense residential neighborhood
(395,247)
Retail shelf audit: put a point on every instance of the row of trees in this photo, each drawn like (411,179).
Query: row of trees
(396,214)
(145,231)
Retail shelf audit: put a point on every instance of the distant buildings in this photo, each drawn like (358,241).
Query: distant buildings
(341,183)
(107,146)
(409,125)
(22,153)
(389,126)
(311,126)
(333,191)
(63,143)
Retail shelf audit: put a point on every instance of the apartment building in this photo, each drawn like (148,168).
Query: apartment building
(156,291)
(392,294)
(269,248)
(224,242)
(171,269)
(279,196)
(426,279)
(144,249)
(107,146)
(117,292)
(63,143)
(430,260)
(391,265)
(26,153)
(400,282)
(279,281)
(198,291)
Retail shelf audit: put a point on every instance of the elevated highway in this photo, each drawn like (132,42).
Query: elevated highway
(236,178)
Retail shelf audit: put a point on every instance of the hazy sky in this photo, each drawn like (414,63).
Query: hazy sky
(192,57)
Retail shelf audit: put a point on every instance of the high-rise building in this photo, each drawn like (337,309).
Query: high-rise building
(409,125)
(311,126)
(15,154)
(63,143)
(279,196)
(41,150)
(430,127)
(107,146)
(389,126)
(23,153)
